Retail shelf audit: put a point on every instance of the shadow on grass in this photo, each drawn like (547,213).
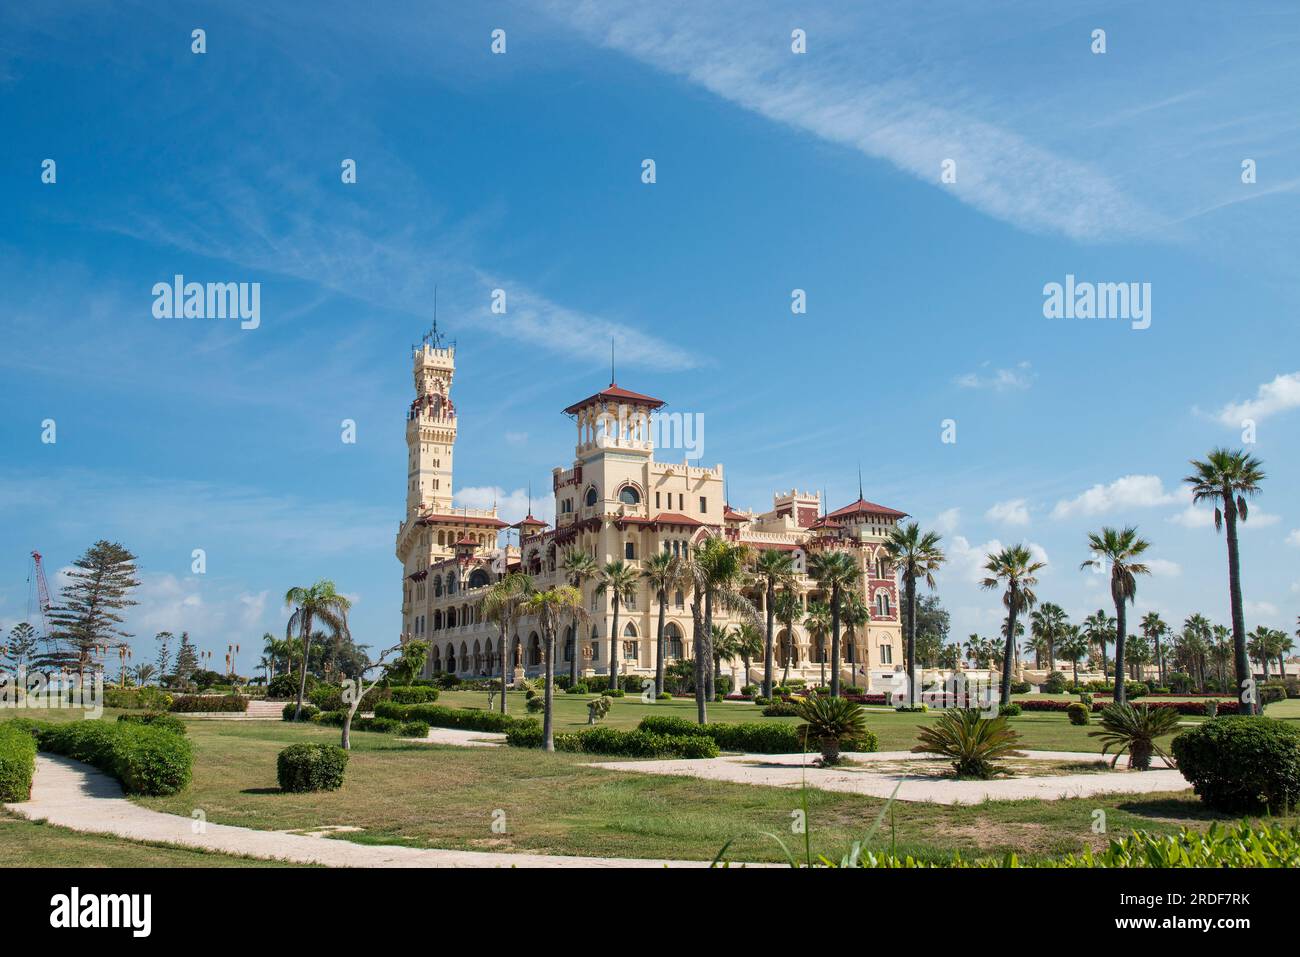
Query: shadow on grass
(263,791)
(1175,809)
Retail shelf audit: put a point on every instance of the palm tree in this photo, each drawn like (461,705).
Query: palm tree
(917,555)
(143,673)
(617,579)
(1048,623)
(1099,627)
(663,571)
(1135,728)
(1227,478)
(271,649)
(830,723)
(854,614)
(788,609)
(748,644)
(775,569)
(1074,645)
(1194,644)
(723,645)
(1284,647)
(817,623)
(835,572)
(551,607)
(1153,627)
(1015,568)
(319,604)
(502,603)
(579,568)
(717,572)
(1121,549)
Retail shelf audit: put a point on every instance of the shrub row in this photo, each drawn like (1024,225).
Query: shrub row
(1242,763)
(527,733)
(437,716)
(156,719)
(407,729)
(418,694)
(146,759)
(1193,708)
(192,703)
(17,762)
(152,699)
(330,698)
(309,710)
(752,737)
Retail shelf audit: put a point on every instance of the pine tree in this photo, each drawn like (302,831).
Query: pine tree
(86,623)
(187,659)
(21,647)
(164,659)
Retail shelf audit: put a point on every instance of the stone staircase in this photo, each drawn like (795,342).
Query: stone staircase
(258,710)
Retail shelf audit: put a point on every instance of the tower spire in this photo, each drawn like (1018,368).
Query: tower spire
(859,481)
(612,380)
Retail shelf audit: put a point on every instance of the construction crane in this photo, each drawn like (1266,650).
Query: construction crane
(42,595)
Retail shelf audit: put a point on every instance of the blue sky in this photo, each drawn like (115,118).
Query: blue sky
(522,171)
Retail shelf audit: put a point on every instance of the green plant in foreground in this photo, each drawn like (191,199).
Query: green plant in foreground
(830,722)
(1135,728)
(973,741)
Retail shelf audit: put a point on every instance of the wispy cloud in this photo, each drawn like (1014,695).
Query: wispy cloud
(1280,395)
(1130,491)
(1013,512)
(999,380)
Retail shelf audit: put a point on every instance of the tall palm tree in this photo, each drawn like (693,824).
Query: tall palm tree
(835,572)
(551,607)
(1121,549)
(1099,627)
(618,579)
(1074,645)
(915,554)
(579,568)
(775,570)
(717,573)
(1154,627)
(1048,623)
(502,603)
(1015,569)
(270,649)
(1227,478)
(788,609)
(1194,645)
(817,622)
(319,604)
(663,571)
(1284,647)
(723,642)
(854,613)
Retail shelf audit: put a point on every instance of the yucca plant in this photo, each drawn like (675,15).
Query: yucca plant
(829,723)
(1134,728)
(973,741)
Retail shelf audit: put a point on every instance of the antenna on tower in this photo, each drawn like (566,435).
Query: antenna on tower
(611,360)
(530,498)
(859,481)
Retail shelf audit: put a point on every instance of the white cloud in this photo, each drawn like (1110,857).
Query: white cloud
(999,380)
(1281,394)
(1194,516)
(1013,512)
(967,560)
(1294,537)
(1260,609)
(511,506)
(1131,491)
(1163,568)
(945,523)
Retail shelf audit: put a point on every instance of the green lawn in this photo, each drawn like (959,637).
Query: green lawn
(423,795)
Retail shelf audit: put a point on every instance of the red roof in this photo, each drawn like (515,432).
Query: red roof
(863,507)
(676,518)
(462,520)
(826,522)
(529,521)
(467,541)
(615,393)
(729,514)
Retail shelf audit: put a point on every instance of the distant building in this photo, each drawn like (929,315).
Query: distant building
(614,501)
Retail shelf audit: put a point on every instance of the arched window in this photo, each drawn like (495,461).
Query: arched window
(629,496)
(568,643)
(679,600)
(595,643)
(673,639)
(882,604)
(881,568)
(629,550)
(437,586)
(629,630)
(478,578)
(591,496)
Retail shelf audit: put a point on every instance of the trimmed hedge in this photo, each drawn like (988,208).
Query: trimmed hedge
(407,729)
(1242,763)
(437,716)
(330,698)
(309,711)
(156,719)
(17,762)
(414,695)
(1191,708)
(193,703)
(311,767)
(527,733)
(152,699)
(146,759)
(752,737)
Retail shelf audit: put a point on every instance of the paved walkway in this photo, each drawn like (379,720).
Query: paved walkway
(461,738)
(794,770)
(74,795)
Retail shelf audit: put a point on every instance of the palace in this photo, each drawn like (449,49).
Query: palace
(616,501)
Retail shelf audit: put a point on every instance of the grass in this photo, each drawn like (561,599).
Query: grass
(431,796)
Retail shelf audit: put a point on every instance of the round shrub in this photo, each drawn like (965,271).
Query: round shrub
(155,719)
(311,767)
(524,733)
(1011,710)
(1242,763)
(286,686)
(663,696)
(309,711)
(535,704)
(414,729)
(17,762)
(615,692)
(152,760)
(1272,691)
(1055,683)
(579,688)
(1020,687)
(1078,713)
